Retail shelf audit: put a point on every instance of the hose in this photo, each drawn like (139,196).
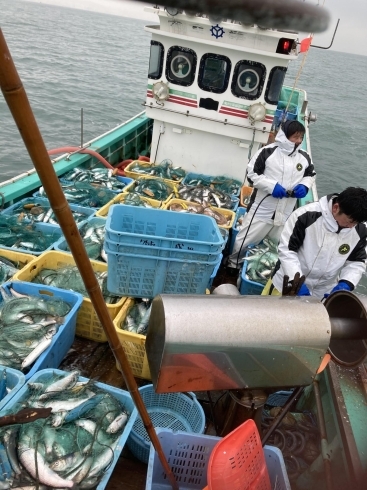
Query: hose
(70,149)
(248,229)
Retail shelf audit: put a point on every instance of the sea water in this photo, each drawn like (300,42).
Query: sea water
(71,59)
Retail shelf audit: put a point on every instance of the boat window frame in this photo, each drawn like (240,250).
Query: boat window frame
(236,73)
(226,78)
(174,79)
(270,80)
(161,61)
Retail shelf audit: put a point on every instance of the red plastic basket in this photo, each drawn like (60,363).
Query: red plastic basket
(237,462)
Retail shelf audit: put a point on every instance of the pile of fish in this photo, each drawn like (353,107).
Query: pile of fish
(137,319)
(69,277)
(187,207)
(206,195)
(93,239)
(153,188)
(221,183)
(41,211)
(84,194)
(8,268)
(25,236)
(134,199)
(27,326)
(164,170)
(73,447)
(261,261)
(102,177)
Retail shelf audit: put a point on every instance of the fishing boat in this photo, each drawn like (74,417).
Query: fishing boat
(215,95)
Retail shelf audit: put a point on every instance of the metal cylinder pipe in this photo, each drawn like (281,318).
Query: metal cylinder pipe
(215,342)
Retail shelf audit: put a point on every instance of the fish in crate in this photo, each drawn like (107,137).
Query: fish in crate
(27,327)
(77,444)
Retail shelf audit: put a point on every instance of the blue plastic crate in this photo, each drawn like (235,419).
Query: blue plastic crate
(62,341)
(44,228)
(215,272)
(40,200)
(172,253)
(162,228)
(209,179)
(62,245)
(121,395)
(234,232)
(14,382)
(176,411)
(143,276)
(188,456)
(248,287)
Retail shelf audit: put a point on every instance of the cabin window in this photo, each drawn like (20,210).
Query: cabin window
(156,60)
(181,65)
(275,84)
(248,79)
(214,73)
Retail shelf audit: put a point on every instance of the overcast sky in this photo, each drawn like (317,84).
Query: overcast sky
(351,36)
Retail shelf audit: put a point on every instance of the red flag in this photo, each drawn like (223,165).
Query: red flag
(305,44)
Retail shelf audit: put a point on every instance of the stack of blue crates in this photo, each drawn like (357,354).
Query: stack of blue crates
(153,251)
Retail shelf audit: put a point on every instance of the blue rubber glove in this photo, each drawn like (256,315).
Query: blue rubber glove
(279,192)
(300,191)
(304,291)
(342,285)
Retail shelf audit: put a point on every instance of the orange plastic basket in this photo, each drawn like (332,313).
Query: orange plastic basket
(237,462)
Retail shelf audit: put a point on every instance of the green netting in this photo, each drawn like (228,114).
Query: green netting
(97,176)
(25,236)
(222,183)
(165,170)
(153,188)
(85,194)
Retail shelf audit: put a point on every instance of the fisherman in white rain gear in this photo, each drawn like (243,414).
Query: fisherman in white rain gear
(326,242)
(280,173)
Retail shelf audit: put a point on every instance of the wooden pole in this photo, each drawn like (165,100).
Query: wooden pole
(17,100)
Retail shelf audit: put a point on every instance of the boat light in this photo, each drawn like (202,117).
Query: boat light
(160,91)
(256,113)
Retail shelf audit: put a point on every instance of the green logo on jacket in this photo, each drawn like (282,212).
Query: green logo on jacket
(344,249)
(299,167)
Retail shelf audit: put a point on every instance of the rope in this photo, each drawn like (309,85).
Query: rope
(297,77)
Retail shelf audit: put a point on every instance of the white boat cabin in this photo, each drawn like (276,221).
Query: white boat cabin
(213,89)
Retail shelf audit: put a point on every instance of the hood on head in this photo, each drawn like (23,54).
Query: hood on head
(284,143)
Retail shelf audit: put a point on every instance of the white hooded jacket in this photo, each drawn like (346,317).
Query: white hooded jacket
(313,244)
(280,163)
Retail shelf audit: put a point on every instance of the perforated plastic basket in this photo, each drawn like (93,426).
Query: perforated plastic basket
(247,286)
(42,228)
(122,396)
(129,171)
(119,199)
(176,411)
(132,343)
(21,258)
(162,228)
(234,231)
(188,456)
(39,201)
(62,341)
(14,382)
(211,180)
(144,277)
(239,458)
(87,323)
(227,213)
(62,246)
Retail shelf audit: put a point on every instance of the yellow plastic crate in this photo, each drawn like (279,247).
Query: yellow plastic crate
(20,257)
(230,215)
(132,343)
(87,324)
(119,199)
(170,184)
(129,172)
